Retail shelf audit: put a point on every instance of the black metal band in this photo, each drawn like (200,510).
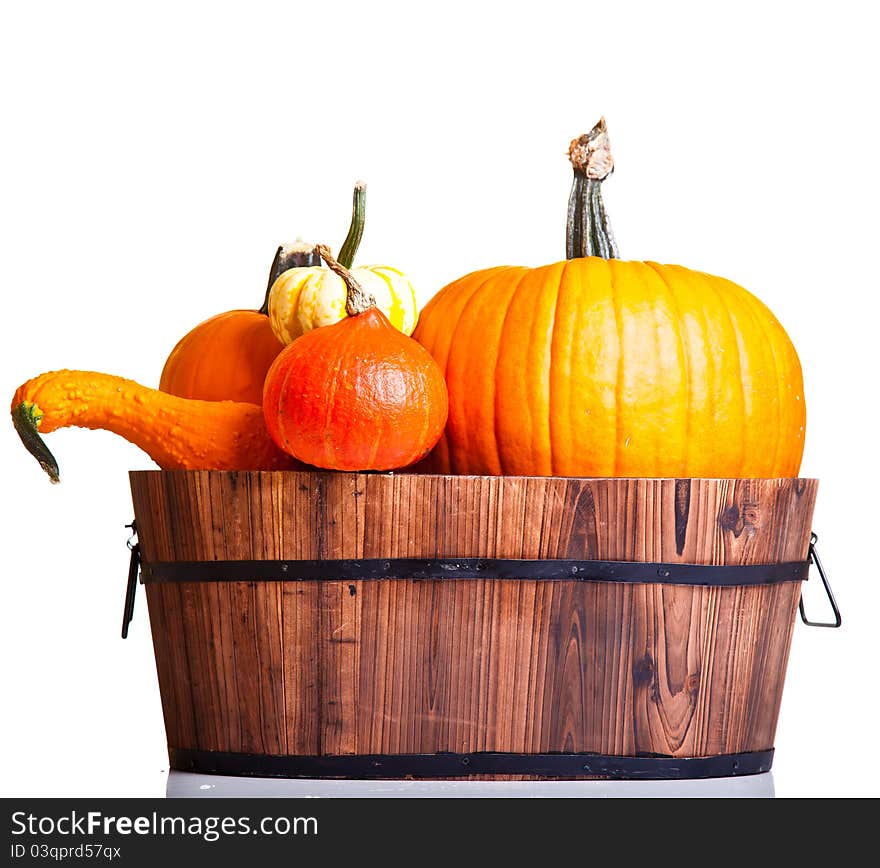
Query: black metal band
(449,765)
(473,568)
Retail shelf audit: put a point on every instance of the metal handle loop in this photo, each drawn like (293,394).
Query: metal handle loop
(134,566)
(814,559)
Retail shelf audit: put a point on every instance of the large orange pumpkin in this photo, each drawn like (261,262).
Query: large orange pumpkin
(226,357)
(599,367)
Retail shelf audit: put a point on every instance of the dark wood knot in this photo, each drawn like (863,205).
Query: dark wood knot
(730,519)
(643,671)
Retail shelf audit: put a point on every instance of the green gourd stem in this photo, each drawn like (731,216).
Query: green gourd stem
(356,230)
(26,418)
(588,230)
(357,300)
(300,254)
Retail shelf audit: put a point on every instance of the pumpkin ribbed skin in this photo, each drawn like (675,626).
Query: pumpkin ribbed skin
(224,358)
(594,367)
(304,299)
(356,395)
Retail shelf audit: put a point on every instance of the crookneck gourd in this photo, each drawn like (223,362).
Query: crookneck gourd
(303,299)
(177,433)
(600,367)
(226,357)
(355,395)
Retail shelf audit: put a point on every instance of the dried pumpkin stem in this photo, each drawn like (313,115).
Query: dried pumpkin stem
(356,229)
(588,231)
(300,254)
(358,299)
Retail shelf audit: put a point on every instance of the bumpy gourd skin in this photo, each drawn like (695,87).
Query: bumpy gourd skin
(595,367)
(224,358)
(177,433)
(357,395)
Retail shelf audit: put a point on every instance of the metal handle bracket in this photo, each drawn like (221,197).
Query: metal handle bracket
(134,568)
(814,559)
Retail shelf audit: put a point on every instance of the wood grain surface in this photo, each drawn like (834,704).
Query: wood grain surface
(421,666)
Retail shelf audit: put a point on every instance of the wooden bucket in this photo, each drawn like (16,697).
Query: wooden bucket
(412,626)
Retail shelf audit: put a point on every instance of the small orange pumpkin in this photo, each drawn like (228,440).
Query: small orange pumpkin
(226,357)
(355,395)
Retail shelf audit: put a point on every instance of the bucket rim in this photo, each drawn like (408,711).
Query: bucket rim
(391,474)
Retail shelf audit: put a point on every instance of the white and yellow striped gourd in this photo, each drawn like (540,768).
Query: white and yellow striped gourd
(302,299)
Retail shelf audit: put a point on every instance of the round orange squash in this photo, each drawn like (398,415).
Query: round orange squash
(355,395)
(595,366)
(226,357)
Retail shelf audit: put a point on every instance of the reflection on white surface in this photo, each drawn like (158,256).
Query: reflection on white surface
(189,785)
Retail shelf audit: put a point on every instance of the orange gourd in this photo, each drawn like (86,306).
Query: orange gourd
(226,357)
(598,367)
(355,395)
(177,433)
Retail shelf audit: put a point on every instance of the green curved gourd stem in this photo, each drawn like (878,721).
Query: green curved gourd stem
(300,254)
(26,418)
(356,230)
(588,230)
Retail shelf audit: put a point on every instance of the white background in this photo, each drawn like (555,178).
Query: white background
(154,155)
